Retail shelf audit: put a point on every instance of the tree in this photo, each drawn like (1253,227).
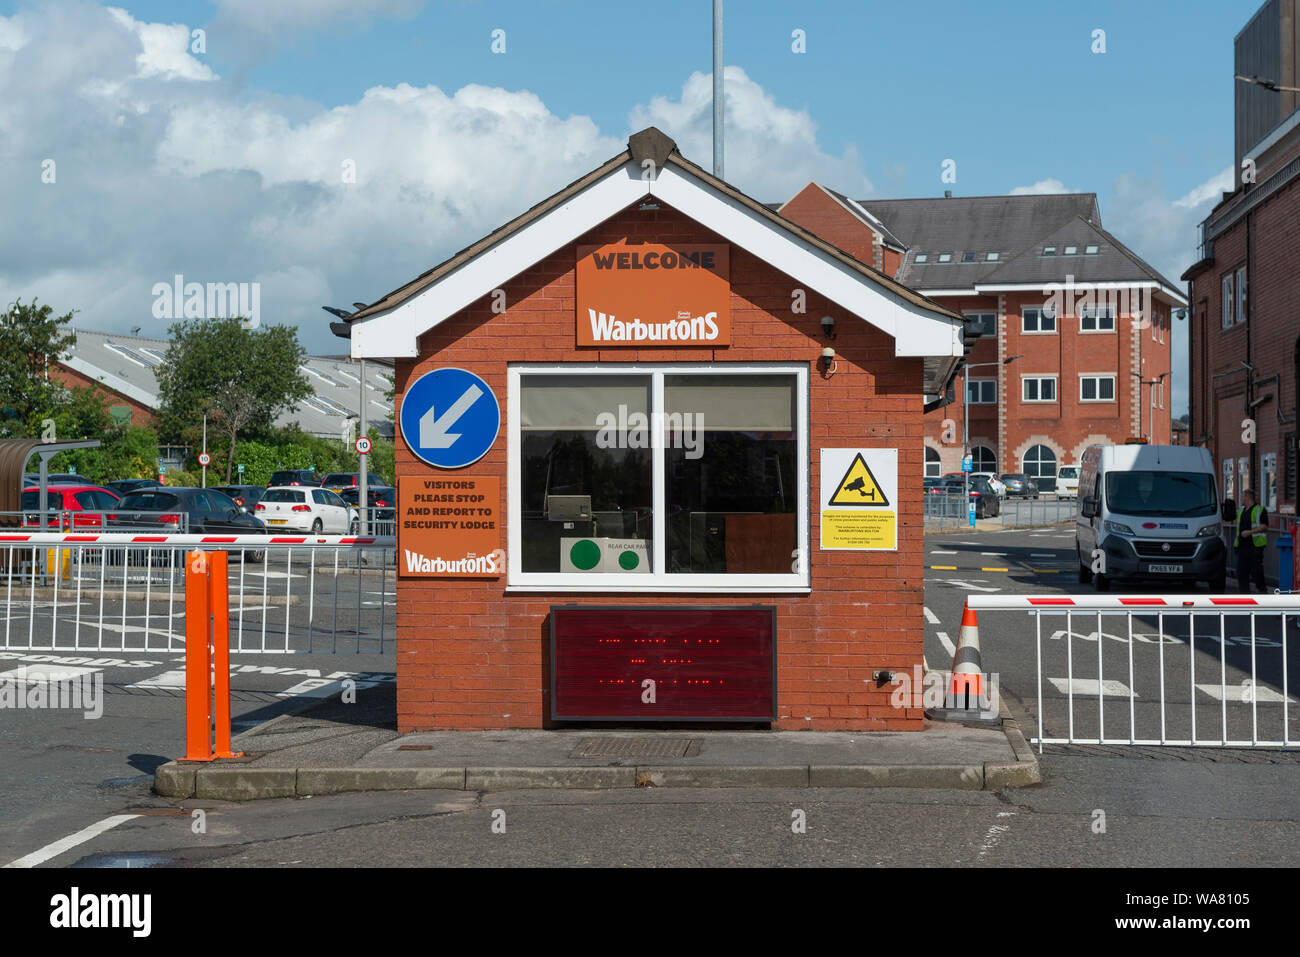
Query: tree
(31,341)
(243,377)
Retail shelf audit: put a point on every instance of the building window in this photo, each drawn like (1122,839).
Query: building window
(933,467)
(992,257)
(1268,481)
(1097,319)
(968,257)
(1040,465)
(1097,388)
(985,323)
(922,257)
(1243,474)
(945,257)
(1049,250)
(1229,483)
(1033,319)
(983,459)
(685,477)
(1091,249)
(1038,388)
(1241,293)
(1070,251)
(1229,302)
(1161,386)
(982,391)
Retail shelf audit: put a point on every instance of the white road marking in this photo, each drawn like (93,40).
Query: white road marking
(944,640)
(994,834)
(995,554)
(935,552)
(1042,554)
(1235,692)
(930,616)
(44,674)
(71,841)
(173,680)
(1088,686)
(966,584)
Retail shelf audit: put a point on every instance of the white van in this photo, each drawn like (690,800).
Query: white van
(1067,481)
(1149,513)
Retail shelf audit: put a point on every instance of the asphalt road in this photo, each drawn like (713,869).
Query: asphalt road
(1099,805)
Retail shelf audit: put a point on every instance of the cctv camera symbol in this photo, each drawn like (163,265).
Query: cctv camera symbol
(857,485)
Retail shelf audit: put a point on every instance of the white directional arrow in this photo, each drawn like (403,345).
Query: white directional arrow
(433,427)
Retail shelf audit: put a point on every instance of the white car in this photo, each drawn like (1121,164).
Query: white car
(303,508)
(1067,482)
(994,481)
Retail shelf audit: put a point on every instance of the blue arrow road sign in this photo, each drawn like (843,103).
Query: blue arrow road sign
(450,418)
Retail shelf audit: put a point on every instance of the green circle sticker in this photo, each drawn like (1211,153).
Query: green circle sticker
(585,554)
(629,560)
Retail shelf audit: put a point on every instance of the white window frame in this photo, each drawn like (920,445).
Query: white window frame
(658,581)
(1229,297)
(980,314)
(937,462)
(980,382)
(1097,313)
(1056,392)
(1040,331)
(1241,293)
(1098,377)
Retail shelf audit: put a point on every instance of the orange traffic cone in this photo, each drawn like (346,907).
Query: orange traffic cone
(969,694)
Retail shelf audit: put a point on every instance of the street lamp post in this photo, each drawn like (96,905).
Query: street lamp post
(965,433)
(1147,382)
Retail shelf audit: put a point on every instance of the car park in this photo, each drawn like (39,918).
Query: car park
(293,477)
(382,502)
(245,496)
(205,511)
(122,486)
(315,510)
(338,481)
(1019,485)
(980,491)
(1067,482)
(68,498)
(993,480)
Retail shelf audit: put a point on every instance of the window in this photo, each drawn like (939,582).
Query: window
(968,257)
(985,323)
(922,257)
(945,257)
(1033,319)
(1229,486)
(1268,481)
(1097,319)
(933,466)
(686,477)
(1229,301)
(983,459)
(1243,473)
(1097,388)
(1049,250)
(1091,249)
(992,257)
(1241,293)
(1039,388)
(1040,465)
(1161,386)
(1070,251)
(982,391)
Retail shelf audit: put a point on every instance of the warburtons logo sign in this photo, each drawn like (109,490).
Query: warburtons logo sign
(471,565)
(633,294)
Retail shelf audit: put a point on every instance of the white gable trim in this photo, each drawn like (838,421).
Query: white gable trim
(116,383)
(916,331)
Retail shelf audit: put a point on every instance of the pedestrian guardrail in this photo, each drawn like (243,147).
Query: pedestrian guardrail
(1165,688)
(1030,512)
(124,592)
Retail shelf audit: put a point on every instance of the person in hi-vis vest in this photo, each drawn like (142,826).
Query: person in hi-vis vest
(1252,536)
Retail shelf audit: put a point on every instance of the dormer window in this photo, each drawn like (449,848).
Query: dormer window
(1049,250)
(968,257)
(992,257)
(922,257)
(945,257)
(1070,251)
(1091,249)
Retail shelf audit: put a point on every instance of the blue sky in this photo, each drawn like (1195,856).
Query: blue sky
(221,164)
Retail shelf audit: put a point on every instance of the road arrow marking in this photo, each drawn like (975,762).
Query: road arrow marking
(433,427)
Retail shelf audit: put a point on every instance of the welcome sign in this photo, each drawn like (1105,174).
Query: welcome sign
(644,294)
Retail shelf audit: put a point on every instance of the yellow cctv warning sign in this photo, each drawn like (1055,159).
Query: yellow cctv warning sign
(859,495)
(859,487)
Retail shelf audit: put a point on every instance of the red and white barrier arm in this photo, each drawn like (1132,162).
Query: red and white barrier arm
(190,540)
(1131,602)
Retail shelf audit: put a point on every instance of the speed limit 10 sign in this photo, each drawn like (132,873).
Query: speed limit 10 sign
(363,445)
(205,458)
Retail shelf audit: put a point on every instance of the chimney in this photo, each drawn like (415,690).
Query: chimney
(947,194)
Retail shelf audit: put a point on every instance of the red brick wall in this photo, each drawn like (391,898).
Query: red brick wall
(140,414)
(818,212)
(470,655)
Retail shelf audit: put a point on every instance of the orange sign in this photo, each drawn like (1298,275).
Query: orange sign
(449,527)
(654,294)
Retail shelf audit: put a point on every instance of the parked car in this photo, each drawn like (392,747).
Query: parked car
(382,502)
(981,492)
(122,486)
(245,496)
(68,498)
(208,511)
(1019,485)
(55,478)
(315,510)
(338,481)
(293,477)
(1067,482)
(993,480)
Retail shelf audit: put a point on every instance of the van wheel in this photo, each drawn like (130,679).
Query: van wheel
(1101,582)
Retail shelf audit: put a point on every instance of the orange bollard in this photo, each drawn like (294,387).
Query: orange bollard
(198,664)
(219,606)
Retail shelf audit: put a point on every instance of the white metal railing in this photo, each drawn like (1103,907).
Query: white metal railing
(125,592)
(1153,693)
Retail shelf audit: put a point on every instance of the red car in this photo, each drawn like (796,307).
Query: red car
(68,498)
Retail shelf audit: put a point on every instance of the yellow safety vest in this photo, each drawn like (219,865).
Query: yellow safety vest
(1259,541)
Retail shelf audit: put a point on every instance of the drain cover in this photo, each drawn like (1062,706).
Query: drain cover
(636,748)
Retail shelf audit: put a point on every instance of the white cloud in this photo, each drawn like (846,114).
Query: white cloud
(1212,188)
(1042,187)
(166,49)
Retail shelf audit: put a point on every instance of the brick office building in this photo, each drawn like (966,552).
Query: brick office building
(1245,284)
(1041,387)
(733,528)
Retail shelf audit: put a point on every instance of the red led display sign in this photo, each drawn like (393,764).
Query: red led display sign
(663,664)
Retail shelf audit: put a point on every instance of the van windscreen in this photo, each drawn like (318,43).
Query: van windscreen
(1161,493)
